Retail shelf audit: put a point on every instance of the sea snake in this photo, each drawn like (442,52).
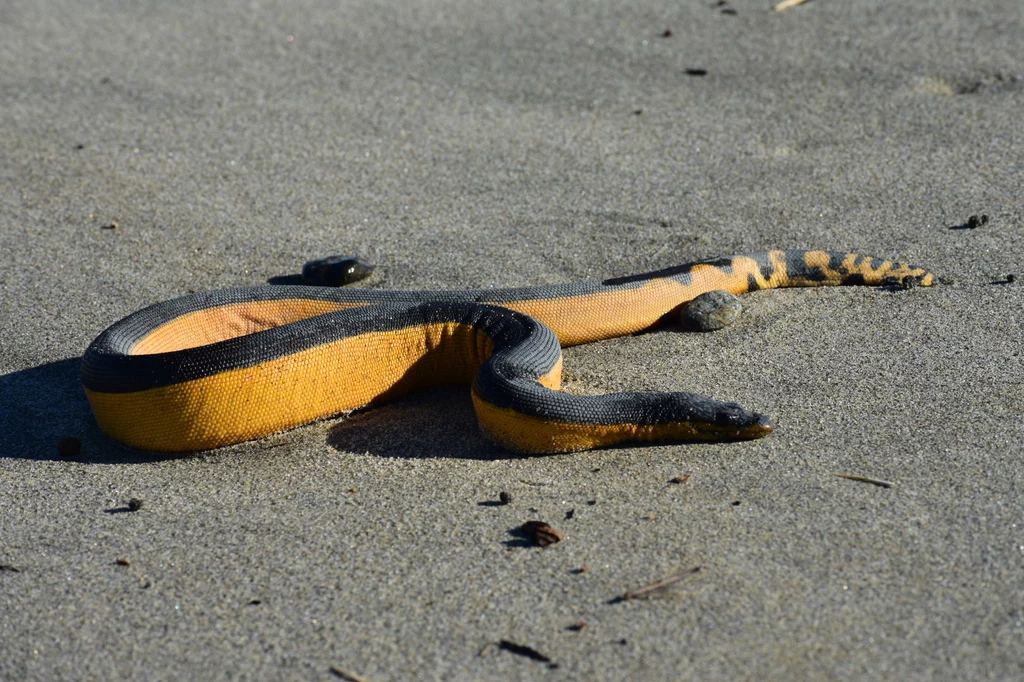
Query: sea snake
(222,367)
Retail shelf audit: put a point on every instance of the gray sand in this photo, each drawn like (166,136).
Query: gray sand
(463,145)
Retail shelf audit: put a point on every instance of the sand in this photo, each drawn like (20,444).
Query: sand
(152,149)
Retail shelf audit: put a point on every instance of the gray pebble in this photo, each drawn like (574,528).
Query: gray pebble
(711,311)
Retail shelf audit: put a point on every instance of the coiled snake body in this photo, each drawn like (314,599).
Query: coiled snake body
(227,366)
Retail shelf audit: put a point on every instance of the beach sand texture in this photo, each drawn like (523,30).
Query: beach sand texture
(152,149)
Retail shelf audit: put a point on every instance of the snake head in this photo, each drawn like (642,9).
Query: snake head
(714,420)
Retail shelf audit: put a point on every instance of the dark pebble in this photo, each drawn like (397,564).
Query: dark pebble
(976,221)
(541,533)
(134,504)
(711,311)
(335,271)
(504,497)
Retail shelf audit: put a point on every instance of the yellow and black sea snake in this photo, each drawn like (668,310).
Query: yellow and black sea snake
(222,367)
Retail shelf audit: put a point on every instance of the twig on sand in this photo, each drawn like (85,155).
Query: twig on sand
(652,589)
(347,675)
(786,4)
(523,650)
(864,479)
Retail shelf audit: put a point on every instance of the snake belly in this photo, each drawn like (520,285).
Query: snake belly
(222,367)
